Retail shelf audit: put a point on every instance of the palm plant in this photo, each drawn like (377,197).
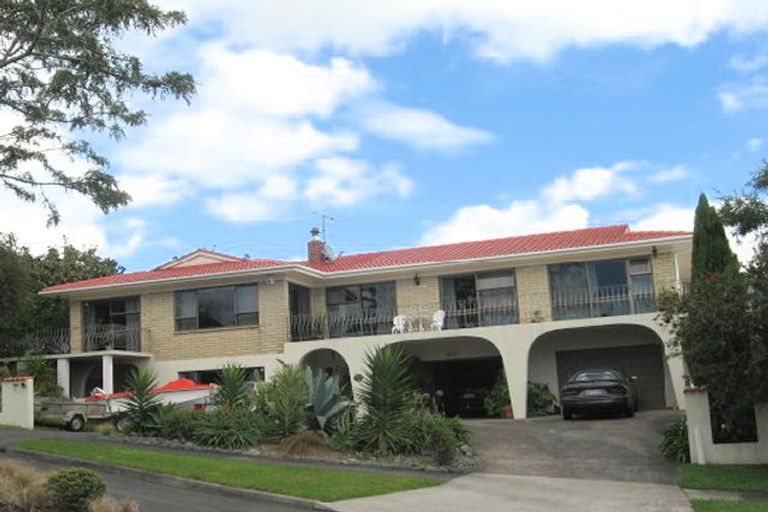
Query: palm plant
(282,402)
(141,404)
(385,395)
(325,396)
(232,392)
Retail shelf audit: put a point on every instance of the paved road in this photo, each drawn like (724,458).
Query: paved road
(608,448)
(154,497)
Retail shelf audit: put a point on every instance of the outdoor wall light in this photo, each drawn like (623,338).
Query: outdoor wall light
(416,280)
(654,251)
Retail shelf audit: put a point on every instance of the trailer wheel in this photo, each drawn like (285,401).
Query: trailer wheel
(122,424)
(76,424)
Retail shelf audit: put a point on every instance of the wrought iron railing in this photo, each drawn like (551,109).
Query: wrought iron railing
(602,301)
(41,342)
(417,317)
(112,337)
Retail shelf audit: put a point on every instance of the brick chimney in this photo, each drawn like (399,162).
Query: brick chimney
(315,248)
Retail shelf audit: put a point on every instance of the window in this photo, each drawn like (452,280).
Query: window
(361,309)
(122,311)
(601,288)
(489,298)
(225,306)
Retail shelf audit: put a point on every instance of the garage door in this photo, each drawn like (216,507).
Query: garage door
(645,362)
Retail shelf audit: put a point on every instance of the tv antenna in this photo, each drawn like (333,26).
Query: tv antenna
(324,217)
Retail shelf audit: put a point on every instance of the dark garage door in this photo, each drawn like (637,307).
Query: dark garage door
(646,362)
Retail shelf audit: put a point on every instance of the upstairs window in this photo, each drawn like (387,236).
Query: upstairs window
(225,306)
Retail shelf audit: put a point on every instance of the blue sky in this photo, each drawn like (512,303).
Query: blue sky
(428,121)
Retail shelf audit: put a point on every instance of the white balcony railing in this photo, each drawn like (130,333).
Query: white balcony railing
(112,337)
(41,342)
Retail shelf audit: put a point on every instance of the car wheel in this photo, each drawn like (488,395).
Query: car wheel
(630,412)
(122,424)
(76,424)
(567,414)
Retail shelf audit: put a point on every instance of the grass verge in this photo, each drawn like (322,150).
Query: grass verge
(304,482)
(725,477)
(729,506)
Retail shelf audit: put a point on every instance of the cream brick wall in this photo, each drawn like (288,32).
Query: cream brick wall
(664,272)
(157,318)
(317,301)
(76,326)
(410,295)
(533,293)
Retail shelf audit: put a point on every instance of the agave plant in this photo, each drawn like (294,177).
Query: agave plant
(232,391)
(325,395)
(142,404)
(385,394)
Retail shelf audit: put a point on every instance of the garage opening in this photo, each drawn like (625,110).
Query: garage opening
(635,351)
(456,373)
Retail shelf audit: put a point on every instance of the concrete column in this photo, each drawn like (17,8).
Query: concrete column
(62,376)
(516,370)
(107,375)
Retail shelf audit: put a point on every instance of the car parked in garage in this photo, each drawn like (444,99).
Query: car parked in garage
(598,389)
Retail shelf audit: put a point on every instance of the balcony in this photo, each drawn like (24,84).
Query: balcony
(420,317)
(112,337)
(42,342)
(600,302)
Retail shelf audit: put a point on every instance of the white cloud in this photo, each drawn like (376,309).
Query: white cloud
(518,218)
(589,183)
(751,64)
(419,128)
(553,210)
(528,29)
(343,182)
(149,190)
(676,173)
(754,144)
(743,96)
(279,85)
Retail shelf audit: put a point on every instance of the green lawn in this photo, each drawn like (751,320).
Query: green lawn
(729,506)
(725,478)
(304,482)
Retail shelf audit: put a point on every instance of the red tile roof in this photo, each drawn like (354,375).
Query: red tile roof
(509,246)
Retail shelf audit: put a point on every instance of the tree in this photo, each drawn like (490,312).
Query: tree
(711,249)
(60,70)
(23,275)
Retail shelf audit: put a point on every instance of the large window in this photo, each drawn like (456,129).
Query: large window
(488,298)
(225,306)
(601,288)
(361,309)
(123,311)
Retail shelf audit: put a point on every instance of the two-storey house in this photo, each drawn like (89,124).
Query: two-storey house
(534,308)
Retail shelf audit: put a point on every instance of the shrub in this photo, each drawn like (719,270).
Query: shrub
(343,437)
(44,374)
(541,401)
(435,435)
(107,505)
(498,398)
(282,402)
(174,422)
(674,443)
(142,404)
(304,443)
(75,488)
(385,394)
(232,391)
(105,429)
(325,397)
(232,430)
(22,486)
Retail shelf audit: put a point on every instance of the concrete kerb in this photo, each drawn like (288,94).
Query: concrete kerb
(173,481)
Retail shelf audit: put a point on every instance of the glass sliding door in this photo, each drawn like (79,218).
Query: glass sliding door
(488,298)
(608,286)
(569,291)
(459,301)
(359,310)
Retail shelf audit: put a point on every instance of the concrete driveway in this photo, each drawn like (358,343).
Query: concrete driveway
(607,448)
(551,465)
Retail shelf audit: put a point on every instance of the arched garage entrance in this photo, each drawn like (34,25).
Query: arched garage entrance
(634,350)
(457,372)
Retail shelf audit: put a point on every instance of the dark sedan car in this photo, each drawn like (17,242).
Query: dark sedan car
(598,390)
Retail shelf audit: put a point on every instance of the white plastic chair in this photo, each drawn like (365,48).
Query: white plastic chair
(399,324)
(437,320)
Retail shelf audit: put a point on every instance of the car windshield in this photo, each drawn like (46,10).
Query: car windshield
(592,375)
